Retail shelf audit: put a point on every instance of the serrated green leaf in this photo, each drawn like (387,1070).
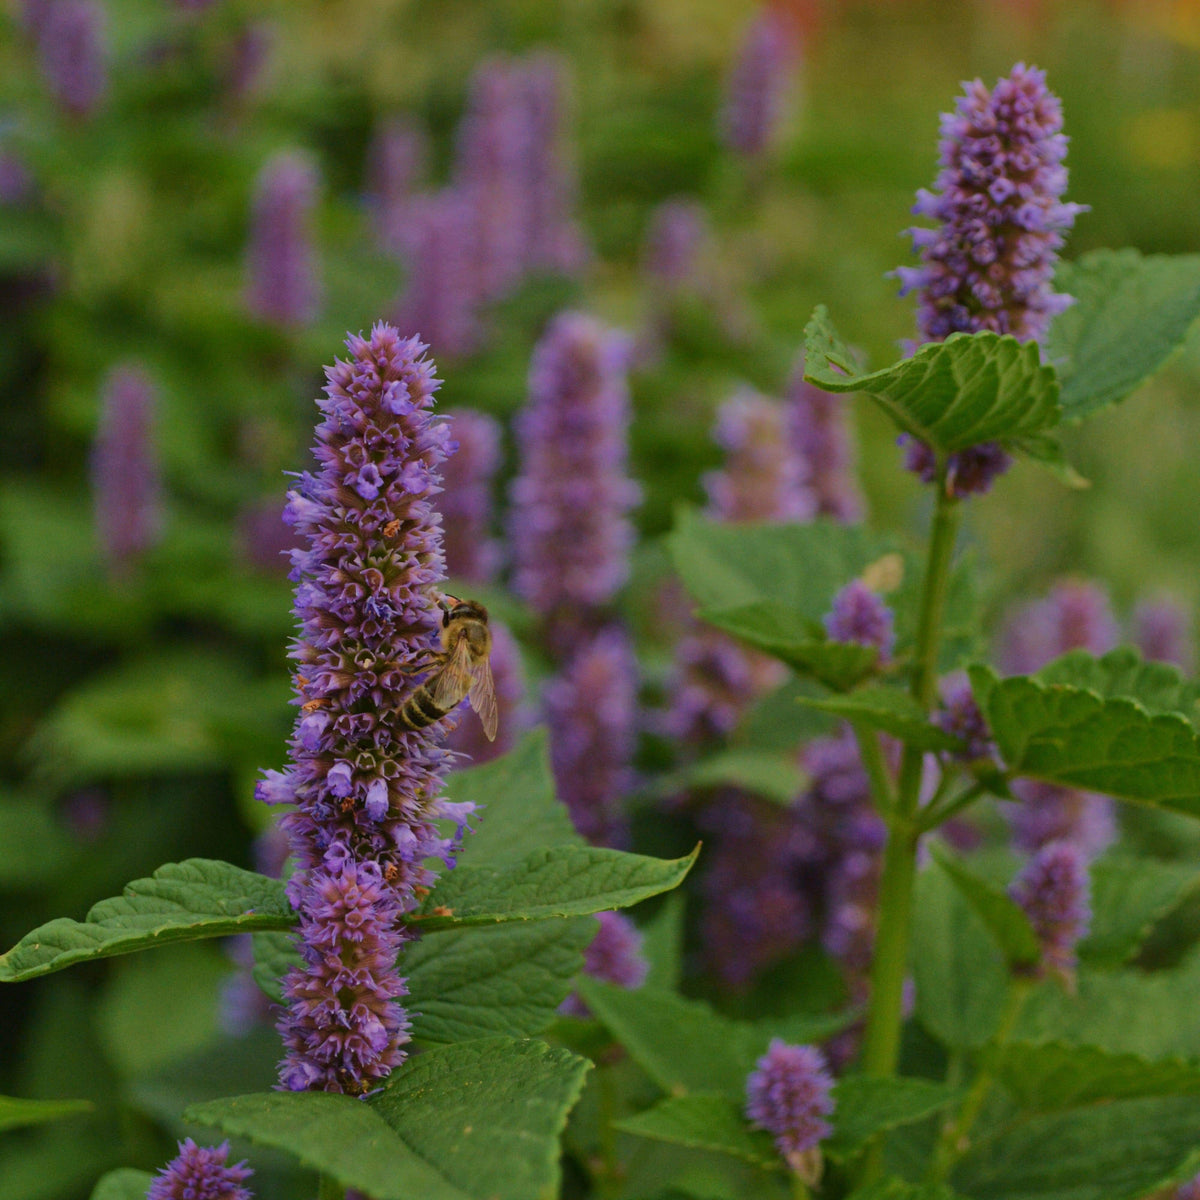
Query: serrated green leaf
(1130,315)
(474,1121)
(1004,918)
(781,632)
(1129,896)
(888,710)
(16,1112)
(865,1106)
(123,1184)
(488,1114)
(962,981)
(892,1188)
(1048,453)
(558,881)
(1118,1151)
(971,388)
(197,898)
(1047,1076)
(474,983)
(1077,738)
(1157,686)
(518,811)
(775,777)
(274,954)
(661,1031)
(704,1122)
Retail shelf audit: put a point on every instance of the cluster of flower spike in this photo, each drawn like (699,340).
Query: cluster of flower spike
(760,85)
(200,1173)
(364,786)
(789,1094)
(1052,888)
(70,40)
(990,262)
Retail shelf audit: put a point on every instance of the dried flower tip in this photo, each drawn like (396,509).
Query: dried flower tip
(200,1173)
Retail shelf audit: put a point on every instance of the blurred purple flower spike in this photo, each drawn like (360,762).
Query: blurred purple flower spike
(860,615)
(789,1094)
(675,240)
(1162,630)
(471,552)
(760,84)
(1052,888)
(281,258)
(125,473)
(396,162)
(364,785)
(820,435)
(73,53)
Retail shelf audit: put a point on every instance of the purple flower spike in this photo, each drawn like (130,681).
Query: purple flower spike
(763,478)
(466,503)
(1052,888)
(281,261)
(820,436)
(200,1173)
(615,953)
(591,711)
(675,241)
(70,41)
(961,718)
(990,264)
(569,525)
(1162,629)
(969,472)
(860,615)
(125,473)
(760,85)
(1050,813)
(1076,615)
(441,296)
(789,1095)
(365,785)
(395,163)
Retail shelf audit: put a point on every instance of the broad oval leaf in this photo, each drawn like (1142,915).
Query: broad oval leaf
(865,1106)
(197,898)
(125,1183)
(704,1122)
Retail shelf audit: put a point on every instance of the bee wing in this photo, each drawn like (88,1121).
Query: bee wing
(483,699)
(455,678)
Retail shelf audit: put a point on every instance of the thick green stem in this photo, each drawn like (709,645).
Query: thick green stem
(956,1134)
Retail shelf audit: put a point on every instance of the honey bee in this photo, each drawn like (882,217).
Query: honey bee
(462,670)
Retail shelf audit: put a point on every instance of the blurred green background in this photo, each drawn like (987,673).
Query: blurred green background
(135,711)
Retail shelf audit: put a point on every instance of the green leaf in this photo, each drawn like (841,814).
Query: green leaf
(775,777)
(704,1122)
(782,632)
(1118,1151)
(1078,738)
(892,1188)
(1047,1076)
(473,983)
(662,943)
(888,710)
(1004,918)
(1129,896)
(123,1184)
(962,982)
(518,811)
(661,1031)
(971,388)
(274,954)
(180,902)
(474,1121)
(16,1112)
(558,881)
(865,1106)
(1157,686)
(1130,315)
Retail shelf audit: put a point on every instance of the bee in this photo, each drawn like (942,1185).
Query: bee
(462,670)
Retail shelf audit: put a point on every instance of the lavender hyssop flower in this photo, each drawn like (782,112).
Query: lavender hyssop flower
(365,787)
(859,615)
(1052,888)
(990,264)
(789,1094)
(200,1173)
(760,85)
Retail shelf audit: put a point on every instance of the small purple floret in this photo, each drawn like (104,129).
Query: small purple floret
(860,615)
(789,1095)
(961,717)
(1162,630)
(200,1173)
(969,472)
(1052,888)
(820,436)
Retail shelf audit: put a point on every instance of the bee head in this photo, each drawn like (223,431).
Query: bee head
(455,609)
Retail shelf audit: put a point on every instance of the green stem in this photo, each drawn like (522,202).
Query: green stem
(328,1188)
(871,753)
(881,1044)
(956,1134)
(935,815)
(610,1175)
(799,1188)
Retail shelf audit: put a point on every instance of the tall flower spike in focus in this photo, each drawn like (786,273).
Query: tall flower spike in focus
(569,523)
(281,259)
(364,784)
(125,472)
(788,1095)
(200,1173)
(990,263)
